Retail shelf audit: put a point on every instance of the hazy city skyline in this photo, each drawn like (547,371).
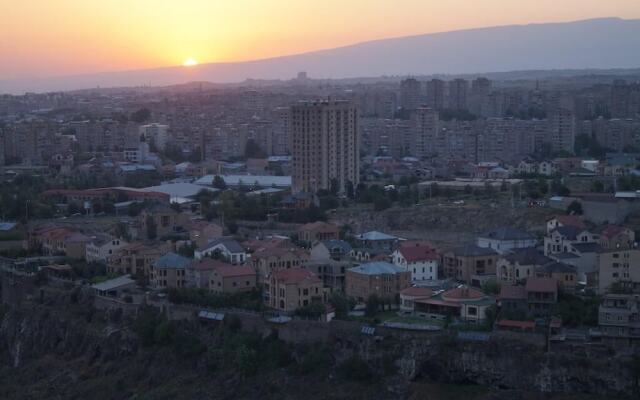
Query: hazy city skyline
(78,37)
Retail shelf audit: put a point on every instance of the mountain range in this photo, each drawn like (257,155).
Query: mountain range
(589,44)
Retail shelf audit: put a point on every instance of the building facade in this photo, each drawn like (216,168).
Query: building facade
(325,146)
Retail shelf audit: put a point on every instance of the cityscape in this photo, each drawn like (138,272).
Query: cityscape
(385,232)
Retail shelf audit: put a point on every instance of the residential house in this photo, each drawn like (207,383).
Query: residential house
(409,295)
(227,248)
(463,303)
(337,250)
(560,239)
(318,231)
(512,301)
(518,265)
(199,272)
(380,278)
(227,278)
(564,274)
(159,220)
(269,242)
(103,247)
(290,289)
(619,319)
(202,232)
(136,258)
(169,271)
(504,240)
(331,272)
(619,267)
(267,260)
(470,262)
(377,241)
(59,241)
(542,295)
(565,220)
(616,237)
(547,168)
(584,257)
(114,287)
(366,254)
(420,259)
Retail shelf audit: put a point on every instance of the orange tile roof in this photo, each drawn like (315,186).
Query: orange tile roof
(227,271)
(295,276)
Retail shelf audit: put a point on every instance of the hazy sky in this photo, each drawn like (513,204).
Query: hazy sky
(60,37)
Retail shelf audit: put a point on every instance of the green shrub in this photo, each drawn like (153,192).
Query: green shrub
(355,369)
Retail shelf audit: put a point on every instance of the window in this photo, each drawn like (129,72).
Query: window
(472,311)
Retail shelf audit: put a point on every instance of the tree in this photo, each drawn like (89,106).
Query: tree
(575,208)
(219,183)
(341,303)
(373,305)
(152,229)
(597,187)
(350,190)
(381,203)
(311,311)
(488,189)
(252,150)
(141,115)
(335,186)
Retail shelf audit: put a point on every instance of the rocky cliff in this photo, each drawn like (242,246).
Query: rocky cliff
(64,348)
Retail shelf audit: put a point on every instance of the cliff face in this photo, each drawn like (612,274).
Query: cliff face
(27,334)
(66,348)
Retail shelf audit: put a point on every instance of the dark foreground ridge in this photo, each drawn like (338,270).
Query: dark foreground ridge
(59,346)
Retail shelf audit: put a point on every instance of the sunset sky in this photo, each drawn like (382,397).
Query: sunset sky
(62,37)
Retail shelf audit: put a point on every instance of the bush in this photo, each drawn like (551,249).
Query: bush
(202,297)
(341,303)
(316,359)
(373,305)
(355,369)
(311,311)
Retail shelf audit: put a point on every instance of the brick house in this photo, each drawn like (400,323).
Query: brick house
(420,259)
(542,295)
(380,278)
(169,271)
(463,263)
(318,231)
(202,232)
(137,258)
(227,278)
(290,289)
(267,260)
(518,265)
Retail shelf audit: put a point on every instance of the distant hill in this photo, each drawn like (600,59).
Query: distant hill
(597,43)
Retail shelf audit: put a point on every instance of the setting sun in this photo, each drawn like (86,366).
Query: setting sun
(189,62)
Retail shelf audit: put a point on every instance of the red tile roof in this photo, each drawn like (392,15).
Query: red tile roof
(541,285)
(570,220)
(295,276)
(524,325)
(462,293)
(611,231)
(208,264)
(417,292)
(257,244)
(227,271)
(512,292)
(279,252)
(413,253)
